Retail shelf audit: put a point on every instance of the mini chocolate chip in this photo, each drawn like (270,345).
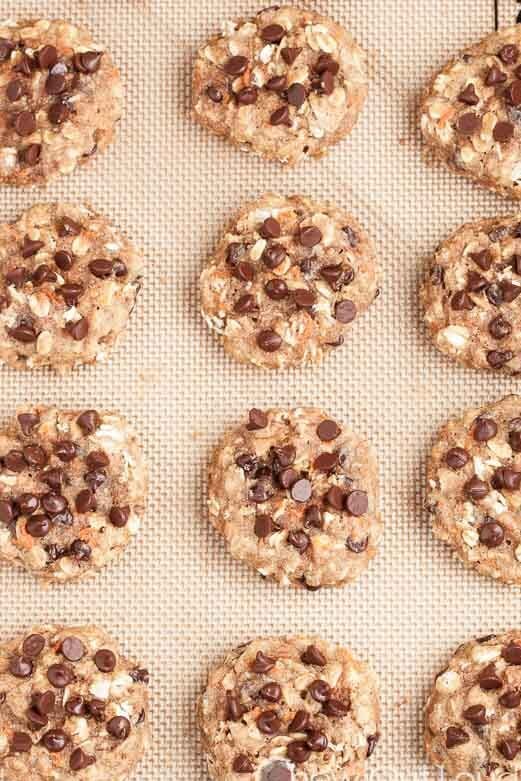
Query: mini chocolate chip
(357,503)
(68,227)
(89,421)
(513,93)
(52,477)
(55,740)
(14,461)
(316,741)
(320,690)
(33,645)
(455,736)
(38,526)
(511,653)
(244,271)
(236,66)
(298,751)
(269,341)
(16,276)
(259,493)
(43,274)
(105,660)
(273,33)
(73,649)
(21,742)
(476,489)
(503,132)
(140,675)
(273,255)
(509,748)
(271,692)
(456,458)
(20,667)
(509,291)
(299,540)
(59,676)
(510,699)
(489,680)
(469,96)
(335,497)
(242,764)
(335,708)
(276,289)
(262,663)
(119,727)
(345,311)
(313,655)
(300,722)
(287,477)
(268,722)
(95,478)
(476,714)
(484,429)
(36,719)
(97,459)
(301,490)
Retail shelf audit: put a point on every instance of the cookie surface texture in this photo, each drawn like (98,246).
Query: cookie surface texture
(470,113)
(472,715)
(286,84)
(287,280)
(474,482)
(295,495)
(60,99)
(287,709)
(72,491)
(71,706)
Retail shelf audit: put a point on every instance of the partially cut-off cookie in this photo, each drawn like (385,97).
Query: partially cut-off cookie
(287,281)
(286,84)
(471,113)
(72,491)
(72,707)
(289,709)
(295,495)
(473,712)
(68,284)
(60,99)
(474,488)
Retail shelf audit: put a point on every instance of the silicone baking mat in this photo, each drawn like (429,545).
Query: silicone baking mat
(176,600)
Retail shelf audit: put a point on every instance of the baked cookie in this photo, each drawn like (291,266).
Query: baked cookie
(472,715)
(68,283)
(295,495)
(289,709)
(474,494)
(72,491)
(60,99)
(285,85)
(287,280)
(471,113)
(71,706)
(471,297)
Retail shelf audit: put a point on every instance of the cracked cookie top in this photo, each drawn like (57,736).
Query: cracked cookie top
(295,495)
(287,281)
(285,84)
(71,706)
(289,709)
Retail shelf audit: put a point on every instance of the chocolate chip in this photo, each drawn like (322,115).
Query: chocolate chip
(14,461)
(79,760)
(273,33)
(335,497)
(73,649)
(506,478)
(242,764)
(509,748)
(257,419)
(298,751)
(494,294)
(483,259)
(513,93)
(247,96)
(31,154)
(357,503)
(263,526)
(468,123)
(55,740)
(79,329)
(290,53)
(105,660)
(47,57)
(503,132)
(36,719)
(21,742)
(6,47)
(313,517)
(497,359)
(80,550)
(455,736)
(510,291)
(499,328)
(43,274)
(259,493)
(89,421)
(276,84)
(6,511)
(345,311)
(16,276)
(68,227)
(35,455)
(75,706)
(280,116)
(97,459)
(38,526)
(270,229)
(236,66)
(309,236)
(23,333)
(25,123)
(300,722)
(273,255)
(244,271)
(262,663)
(461,301)
(20,667)
(95,478)
(52,477)
(119,727)
(299,540)
(476,489)
(511,653)
(44,703)
(484,429)
(296,96)
(268,722)
(58,113)
(66,450)
(276,289)
(101,268)
(489,680)
(372,741)
(320,690)
(357,546)
(287,477)
(335,708)
(325,462)
(33,646)
(510,699)
(328,430)
(14,90)
(316,741)
(269,341)
(88,62)
(140,675)
(304,299)
(469,96)
(59,676)
(313,655)
(476,714)
(71,292)
(327,83)
(271,692)
(234,709)
(495,76)
(214,93)
(25,65)
(301,490)
(509,54)
(55,84)
(456,458)
(119,516)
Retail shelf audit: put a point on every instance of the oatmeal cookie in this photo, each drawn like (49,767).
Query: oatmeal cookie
(68,284)
(60,99)
(289,709)
(72,491)
(471,297)
(471,113)
(472,715)
(295,496)
(285,85)
(71,707)
(287,280)
(474,488)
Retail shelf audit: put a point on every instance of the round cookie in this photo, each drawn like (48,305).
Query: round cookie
(71,706)
(295,495)
(471,297)
(470,113)
(472,715)
(68,284)
(72,491)
(289,709)
(287,280)
(60,99)
(285,85)
(474,494)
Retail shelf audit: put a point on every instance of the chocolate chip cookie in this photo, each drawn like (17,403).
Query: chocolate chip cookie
(71,706)
(60,99)
(68,284)
(285,85)
(295,495)
(472,715)
(474,488)
(287,280)
(471,296)
(72,491)
(286,708)
(471,113)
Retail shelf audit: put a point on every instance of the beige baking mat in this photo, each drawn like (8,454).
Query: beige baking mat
(177,600)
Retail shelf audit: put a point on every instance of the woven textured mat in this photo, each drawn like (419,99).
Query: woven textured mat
(177,600)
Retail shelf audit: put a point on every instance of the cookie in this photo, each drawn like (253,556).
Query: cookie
(71,706)
(287,280)
(286,85)
(471,297)
(60,99)
(295,495)
(72,491)
(289,709)
(474,493)
(68,284)
(470,113)
(472,715)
